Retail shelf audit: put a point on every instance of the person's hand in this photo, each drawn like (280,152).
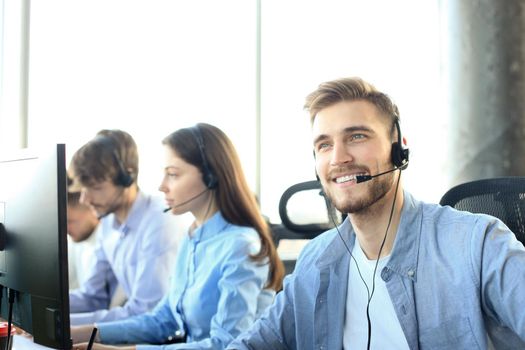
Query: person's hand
(81,334)
(97,346)
(22,333)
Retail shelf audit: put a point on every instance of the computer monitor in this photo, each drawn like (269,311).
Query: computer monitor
(33,211)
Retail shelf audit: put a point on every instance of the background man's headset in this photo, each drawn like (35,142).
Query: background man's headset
(123,178)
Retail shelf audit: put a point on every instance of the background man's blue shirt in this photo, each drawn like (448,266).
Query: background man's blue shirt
(138,255)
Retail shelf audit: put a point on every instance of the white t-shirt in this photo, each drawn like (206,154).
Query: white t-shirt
(80,258)
(386,329)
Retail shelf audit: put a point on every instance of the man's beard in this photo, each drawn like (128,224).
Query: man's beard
(109,208)
(377,189)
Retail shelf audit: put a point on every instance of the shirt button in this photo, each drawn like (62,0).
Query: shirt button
(411,273)
(385,274)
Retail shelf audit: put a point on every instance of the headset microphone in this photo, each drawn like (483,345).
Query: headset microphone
(364,178)
(185,202)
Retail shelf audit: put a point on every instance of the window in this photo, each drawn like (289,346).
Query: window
(151,67)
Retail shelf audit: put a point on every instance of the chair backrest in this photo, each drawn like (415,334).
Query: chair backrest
(305,197)
(304,215)
(306,230)
(502,197)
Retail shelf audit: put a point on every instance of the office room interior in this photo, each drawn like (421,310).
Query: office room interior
(455,69)
(71,68)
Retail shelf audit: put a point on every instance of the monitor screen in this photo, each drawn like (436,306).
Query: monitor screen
(33,263)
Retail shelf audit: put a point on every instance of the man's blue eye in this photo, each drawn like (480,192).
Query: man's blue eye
(323,146)
(357,136)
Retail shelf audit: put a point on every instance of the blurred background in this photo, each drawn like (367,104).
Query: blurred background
(454,68)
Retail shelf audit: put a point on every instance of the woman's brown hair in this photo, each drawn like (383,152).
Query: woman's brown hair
(233,196)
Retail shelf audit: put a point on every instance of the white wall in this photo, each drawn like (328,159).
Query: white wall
(150,67)
(392,44)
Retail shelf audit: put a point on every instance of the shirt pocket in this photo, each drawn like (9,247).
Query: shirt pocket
(454,333)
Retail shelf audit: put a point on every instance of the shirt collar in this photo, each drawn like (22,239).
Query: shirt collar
(336,249)
(403,259)
(210,228)
(404,256)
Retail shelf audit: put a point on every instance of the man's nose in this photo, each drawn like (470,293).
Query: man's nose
(340,154)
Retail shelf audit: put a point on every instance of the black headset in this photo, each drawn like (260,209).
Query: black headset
(124,178)
(398,153)
(208,177)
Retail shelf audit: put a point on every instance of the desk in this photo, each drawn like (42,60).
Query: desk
(21,343)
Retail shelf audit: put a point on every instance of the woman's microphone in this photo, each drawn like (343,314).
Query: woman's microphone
(187,201)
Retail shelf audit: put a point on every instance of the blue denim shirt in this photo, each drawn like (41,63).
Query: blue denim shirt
(216,292)
(453,277)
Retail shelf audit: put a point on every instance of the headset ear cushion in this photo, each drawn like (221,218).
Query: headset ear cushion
(124,178)
(399,156)
(210,180)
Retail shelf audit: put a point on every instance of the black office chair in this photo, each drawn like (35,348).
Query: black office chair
(502,197)
(295,204)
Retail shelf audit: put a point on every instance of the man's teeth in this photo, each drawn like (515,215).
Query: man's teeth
(346,178)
